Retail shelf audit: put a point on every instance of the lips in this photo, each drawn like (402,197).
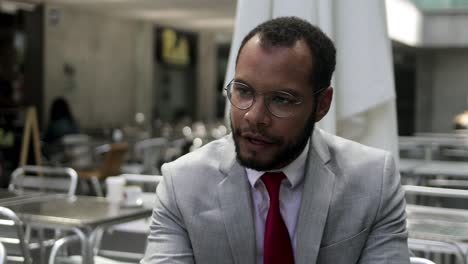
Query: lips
(257,139)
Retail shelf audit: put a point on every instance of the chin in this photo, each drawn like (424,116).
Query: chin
(253,160)
(255,164)
(276,157)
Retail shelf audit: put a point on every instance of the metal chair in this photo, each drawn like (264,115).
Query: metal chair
(111,253)
(52,179)
(152,153)
(427,246)
(44,179)
(113,158)
(14,238)
(435,229)
(56,258)
(415,260)
(147,182)
(2,254)
(77,150)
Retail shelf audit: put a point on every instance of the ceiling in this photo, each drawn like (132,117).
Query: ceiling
(215,15)
(442,5)
(197,15)
(194,15)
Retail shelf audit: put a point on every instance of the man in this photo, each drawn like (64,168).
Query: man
(276,190)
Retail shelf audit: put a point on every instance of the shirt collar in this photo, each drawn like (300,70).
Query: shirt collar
(294,171)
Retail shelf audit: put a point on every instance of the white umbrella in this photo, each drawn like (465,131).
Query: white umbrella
(364,101)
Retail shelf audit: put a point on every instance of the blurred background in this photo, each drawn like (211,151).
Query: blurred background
(118,87)
(130,70)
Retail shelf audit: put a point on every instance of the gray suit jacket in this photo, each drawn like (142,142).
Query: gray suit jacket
(352,209)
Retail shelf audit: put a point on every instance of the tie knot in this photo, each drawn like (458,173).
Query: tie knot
(272,181)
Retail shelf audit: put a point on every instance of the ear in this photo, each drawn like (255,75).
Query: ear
(324,101)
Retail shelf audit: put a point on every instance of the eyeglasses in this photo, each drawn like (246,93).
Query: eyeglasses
(279,103)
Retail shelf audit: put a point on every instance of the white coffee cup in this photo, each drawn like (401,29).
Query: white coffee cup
(132,196)
(115,189)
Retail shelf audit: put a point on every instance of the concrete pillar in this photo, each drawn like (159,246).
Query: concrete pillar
(144,70)
(206,77)
(423,93)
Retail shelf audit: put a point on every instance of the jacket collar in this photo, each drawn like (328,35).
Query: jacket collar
(237,207)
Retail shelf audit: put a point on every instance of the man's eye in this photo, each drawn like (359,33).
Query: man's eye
(282,100)
(243,91)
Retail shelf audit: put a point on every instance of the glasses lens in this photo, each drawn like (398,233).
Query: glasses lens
(282,104)
(279,104)
(240,95)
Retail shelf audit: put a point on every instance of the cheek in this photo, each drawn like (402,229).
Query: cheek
(294,127)
(236,117)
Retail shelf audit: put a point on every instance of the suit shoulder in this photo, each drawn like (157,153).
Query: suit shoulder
(343,148)
(207,158)
(354,162)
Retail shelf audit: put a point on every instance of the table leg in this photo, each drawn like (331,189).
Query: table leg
(86,249)
(41,237)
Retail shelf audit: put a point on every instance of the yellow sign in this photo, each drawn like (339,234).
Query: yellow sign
(175,48)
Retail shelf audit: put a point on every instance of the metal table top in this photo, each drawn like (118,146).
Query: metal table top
(446,168)
(439,231)
(442,224)
(436,213)
(77,211)
(455,141)
(408,165)
(8,197)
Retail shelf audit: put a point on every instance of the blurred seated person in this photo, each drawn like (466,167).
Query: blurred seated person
(61,121)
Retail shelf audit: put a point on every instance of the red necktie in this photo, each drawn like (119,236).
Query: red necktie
(276,244)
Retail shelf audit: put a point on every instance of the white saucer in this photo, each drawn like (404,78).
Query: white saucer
(138,203)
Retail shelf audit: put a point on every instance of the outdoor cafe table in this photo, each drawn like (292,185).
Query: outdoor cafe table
(19,196)
(439,224)
(433,168)
(445,168)
(82,215)
(407,166)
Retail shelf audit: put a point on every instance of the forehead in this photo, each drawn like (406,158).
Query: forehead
(268,67)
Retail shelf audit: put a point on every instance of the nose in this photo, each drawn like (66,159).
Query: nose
(258,113)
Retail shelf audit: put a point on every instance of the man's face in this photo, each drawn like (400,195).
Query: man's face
(264,141)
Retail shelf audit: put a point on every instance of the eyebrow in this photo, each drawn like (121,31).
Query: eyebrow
(286,90)
(242,81)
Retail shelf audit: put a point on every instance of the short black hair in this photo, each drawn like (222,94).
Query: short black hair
(286,31)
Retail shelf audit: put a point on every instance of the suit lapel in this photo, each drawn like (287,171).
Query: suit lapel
(236,205)
(237,210)
(318,187)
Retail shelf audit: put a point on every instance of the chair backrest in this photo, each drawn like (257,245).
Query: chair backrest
(114,156)
(141,178)
(429,220)
(435,191)
(2,254)
(78,150)
(143,145)
(415,260)
(152,152)
(40,178)
(12,236)
(146,182)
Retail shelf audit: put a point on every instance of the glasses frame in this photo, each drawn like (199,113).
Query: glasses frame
(267,105)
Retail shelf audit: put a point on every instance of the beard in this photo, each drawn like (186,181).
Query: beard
(289,152)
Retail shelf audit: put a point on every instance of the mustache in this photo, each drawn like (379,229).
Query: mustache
(256,131)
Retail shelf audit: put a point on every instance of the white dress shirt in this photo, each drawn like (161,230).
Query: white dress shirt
(290,199)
